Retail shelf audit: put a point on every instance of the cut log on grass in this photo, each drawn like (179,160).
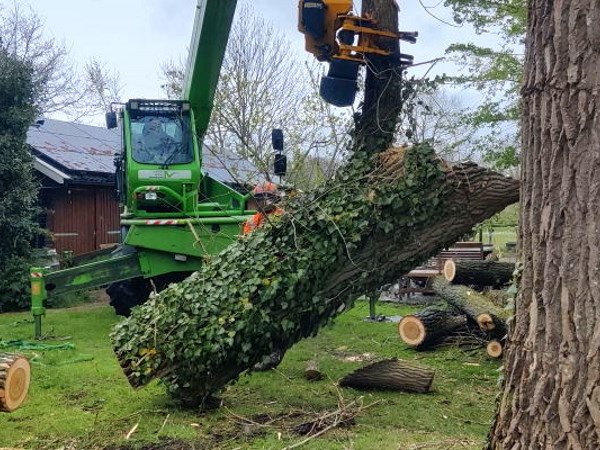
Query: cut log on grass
(479,273)
(15,375)
(494,349)
(390,374)
(386,211)
(312,372)
(475,306)
(426,328)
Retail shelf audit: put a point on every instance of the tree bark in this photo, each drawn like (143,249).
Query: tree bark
(390,374)
(551,395)
(479,273)
(430,326)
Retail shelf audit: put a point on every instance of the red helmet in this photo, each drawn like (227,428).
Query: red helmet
(265,187)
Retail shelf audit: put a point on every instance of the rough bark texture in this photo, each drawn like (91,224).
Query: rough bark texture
(479,273)
(390,374)
(476,193)
(551,397)
(430,326)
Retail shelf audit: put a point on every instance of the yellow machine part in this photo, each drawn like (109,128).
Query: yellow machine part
(328,46)
(339,17)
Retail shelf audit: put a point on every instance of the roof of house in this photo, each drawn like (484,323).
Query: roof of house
(85,154)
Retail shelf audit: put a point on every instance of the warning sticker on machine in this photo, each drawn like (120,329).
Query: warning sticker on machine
(165,174)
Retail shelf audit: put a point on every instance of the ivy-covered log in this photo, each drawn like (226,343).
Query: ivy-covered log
(386,212)
(429,327)
(391,374)
(286,281)
(475,306)
(479,273)
(15,375)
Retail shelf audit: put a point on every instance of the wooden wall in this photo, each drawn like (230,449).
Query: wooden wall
(82,218)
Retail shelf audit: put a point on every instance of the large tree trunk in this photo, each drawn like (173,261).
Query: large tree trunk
(551,397)
(386,211)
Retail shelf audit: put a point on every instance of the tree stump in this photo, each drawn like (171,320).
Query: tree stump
(312,372)
(390,374)
(15,376)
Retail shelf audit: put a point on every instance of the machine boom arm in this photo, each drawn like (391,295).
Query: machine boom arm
(207,49)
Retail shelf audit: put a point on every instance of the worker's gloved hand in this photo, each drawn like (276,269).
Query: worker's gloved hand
(269,361)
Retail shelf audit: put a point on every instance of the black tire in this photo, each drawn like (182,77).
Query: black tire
(127,294)
(124,295)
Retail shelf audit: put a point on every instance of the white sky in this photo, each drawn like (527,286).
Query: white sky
(136,36)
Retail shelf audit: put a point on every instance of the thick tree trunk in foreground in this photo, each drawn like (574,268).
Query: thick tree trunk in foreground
(551,397)
(479,273)
(390,374)
(386,212)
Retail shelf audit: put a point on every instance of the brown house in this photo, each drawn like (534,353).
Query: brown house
(75,166)
(76,170)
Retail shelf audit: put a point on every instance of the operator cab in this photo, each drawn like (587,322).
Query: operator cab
(159,169)
(161,140)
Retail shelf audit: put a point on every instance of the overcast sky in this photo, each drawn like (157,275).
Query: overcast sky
(136,36)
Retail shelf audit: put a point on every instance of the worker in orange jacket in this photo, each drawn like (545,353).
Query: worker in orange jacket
(267,196)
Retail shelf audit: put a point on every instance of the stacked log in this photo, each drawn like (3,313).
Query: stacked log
(15,375)
(481,274)
(490,318)
(469,313)
(429,327)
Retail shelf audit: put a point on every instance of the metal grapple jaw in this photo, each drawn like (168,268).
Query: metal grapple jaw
(336,35)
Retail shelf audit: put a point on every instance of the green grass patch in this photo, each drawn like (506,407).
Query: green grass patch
(79,398)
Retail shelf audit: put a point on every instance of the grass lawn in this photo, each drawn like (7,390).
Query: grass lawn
(80,400)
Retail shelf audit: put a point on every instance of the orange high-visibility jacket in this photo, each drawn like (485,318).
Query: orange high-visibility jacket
(257,220)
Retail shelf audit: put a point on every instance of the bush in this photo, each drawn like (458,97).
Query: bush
(17,185)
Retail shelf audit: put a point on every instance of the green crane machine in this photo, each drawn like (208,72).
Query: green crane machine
(174,214)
